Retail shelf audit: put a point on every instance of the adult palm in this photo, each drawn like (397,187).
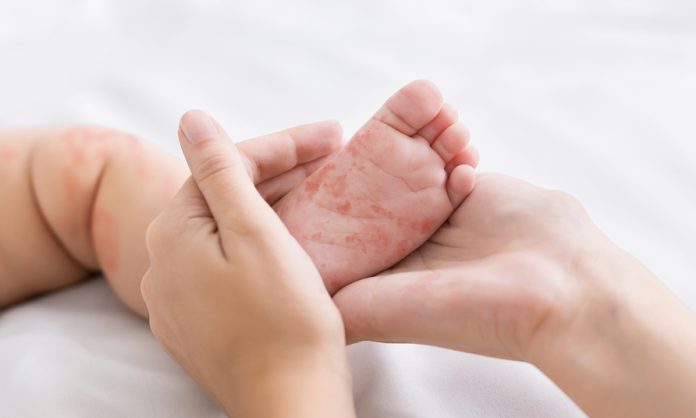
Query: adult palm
(494,279)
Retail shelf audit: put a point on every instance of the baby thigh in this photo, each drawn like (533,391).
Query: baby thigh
(32,258)
(98,190)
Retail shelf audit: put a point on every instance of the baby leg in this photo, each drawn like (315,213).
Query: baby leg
(74,202)
(32,258)
(80,199)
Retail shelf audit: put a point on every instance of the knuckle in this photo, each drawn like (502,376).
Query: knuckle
(253,167)
(212,166)
(565,205)
(162,236)
(154,233)
(145,285)
(249,224)
(155,327)
(563,198)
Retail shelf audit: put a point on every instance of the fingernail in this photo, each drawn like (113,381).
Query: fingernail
(197,125)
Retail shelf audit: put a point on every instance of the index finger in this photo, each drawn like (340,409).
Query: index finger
(271,155)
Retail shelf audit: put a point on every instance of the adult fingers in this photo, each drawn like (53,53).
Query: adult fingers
(274,189)
(272,155)
(454,308)
(220,173)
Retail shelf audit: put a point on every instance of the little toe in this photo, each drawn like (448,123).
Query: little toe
(451,142)
(444,119)
(469,156)
(460,183)
(412,107)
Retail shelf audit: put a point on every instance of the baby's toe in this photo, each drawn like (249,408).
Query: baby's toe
(451,141)
(412,107)
(460,183)
(444,119)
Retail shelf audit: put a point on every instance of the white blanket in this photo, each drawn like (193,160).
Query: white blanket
(597,98)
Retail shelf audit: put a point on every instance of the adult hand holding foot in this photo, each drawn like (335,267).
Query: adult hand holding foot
(522,273)
(235,299)
(516,272)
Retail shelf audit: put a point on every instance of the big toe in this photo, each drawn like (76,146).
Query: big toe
(412,107)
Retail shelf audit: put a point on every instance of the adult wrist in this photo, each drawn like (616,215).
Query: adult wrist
(309,383)
(624,345)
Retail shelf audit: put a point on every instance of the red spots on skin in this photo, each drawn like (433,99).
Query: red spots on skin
(337,187)
(343,208)
(71,184)
(105,236)
(376,240)
(381,211)
(316,236)
(312,185)
(425,225)
(402,248)
(8,156)
(315,180)
(422,226)
(356,241)
(73,191)
(77,139)
(352,148)
(381,240)
(87,145)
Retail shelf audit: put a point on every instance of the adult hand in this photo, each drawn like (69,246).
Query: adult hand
(279,161)
(233,296)
(490,275)
(522,273)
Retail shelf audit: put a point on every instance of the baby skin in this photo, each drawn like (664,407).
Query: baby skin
(74,201)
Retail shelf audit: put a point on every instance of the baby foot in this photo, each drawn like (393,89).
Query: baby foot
(397,180)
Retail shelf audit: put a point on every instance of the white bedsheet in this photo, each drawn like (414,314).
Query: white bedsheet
(594,97)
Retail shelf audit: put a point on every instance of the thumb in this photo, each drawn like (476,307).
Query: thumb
(393,307)
(453,308)
(218,170)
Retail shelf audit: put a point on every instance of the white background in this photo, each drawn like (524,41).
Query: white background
(597,98)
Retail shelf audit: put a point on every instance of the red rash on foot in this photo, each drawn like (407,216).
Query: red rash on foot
(381,240)
(352,149)
(343,208)
(377,240)
(314,181)
(422,226)
(356,241)
(311,185)
(426,225)
(381,211)
(105,236)
(337,187)
(402,247)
